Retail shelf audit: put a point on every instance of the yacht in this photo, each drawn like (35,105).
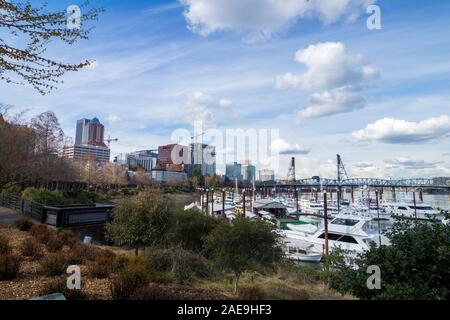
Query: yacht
(410,211)
(354,233)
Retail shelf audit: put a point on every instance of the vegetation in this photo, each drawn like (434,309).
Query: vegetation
(31,248)
(9,266)
(5,248)
(190,228)
(141,221)
(23,224)
(53,264)
(103,264)
(134,276)
(415,266)
(243,246)
(36,28)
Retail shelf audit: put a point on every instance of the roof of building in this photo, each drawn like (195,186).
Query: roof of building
(268,204)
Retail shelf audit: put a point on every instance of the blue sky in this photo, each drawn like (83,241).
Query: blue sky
(313,71)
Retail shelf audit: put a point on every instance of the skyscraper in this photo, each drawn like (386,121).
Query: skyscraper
(90,132)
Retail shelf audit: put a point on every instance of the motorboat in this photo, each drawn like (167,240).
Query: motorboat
(408,210)
(354,233)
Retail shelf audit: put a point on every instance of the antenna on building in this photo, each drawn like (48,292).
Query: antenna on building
(109,140)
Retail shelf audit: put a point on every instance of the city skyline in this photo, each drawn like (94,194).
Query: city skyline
(389,118)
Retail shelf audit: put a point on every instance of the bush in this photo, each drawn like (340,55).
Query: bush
(9,266)
(81,253)
(60,286)
(103,264)
(68,237)
(152,292)
(41,232)
(182,264)
(31,248)
(43,196)
(301,295)
(54,264)
(5,248)
(188,264)
(252,293)
(54,243)
(23,224)
(132,277)
(12,188)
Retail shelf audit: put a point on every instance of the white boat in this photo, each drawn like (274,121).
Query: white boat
(410,211)
(350,232)
(301,251)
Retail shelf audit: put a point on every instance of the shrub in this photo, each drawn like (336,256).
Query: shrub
(43,196)
(68,237)
(81,253)
(60,286)
(54,243)
(187,265)
(54,264)
(132,277)
(5,248)
(152,292)
(252,293)
(9,266)
(11,188)
(31,248)
(23,224)
(120,262)
(41,232)
(103,264)
(300,295)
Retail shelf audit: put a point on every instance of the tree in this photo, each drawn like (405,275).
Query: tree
(37,28)
(415,266)
(141,221)
(190,228)
(198,180)
(243,246)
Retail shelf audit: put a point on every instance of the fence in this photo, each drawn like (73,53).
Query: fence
(59,216)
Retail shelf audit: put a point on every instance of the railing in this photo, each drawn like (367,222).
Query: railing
(59,216)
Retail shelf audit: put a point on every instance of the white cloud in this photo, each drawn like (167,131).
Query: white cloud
(261,19)
(114,119)
(395,131)
(407,163)
(332,102)
(335,76)
(201,107)
(282,147)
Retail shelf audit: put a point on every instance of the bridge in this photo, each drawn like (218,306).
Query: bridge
(359,182)
(344,181)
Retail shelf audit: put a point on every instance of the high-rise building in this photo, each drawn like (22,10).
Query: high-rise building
(203,156)
(233,171)
(90,132)
(172,154)
(144,159)
(266,175)
(89,142)
(248,171)
(87,152)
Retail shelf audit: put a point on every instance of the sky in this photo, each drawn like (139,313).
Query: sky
(310,72)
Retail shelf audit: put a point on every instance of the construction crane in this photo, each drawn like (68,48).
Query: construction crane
(109,140)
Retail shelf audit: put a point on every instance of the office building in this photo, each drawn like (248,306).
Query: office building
(266,175)
(203,156)
(234,171)
(90,132)
(248,171)
(87,153)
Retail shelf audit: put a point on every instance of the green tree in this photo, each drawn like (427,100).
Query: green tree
(190,228)
(36,27)
(141,221)
(198,180)
(243,246)
(415,266)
